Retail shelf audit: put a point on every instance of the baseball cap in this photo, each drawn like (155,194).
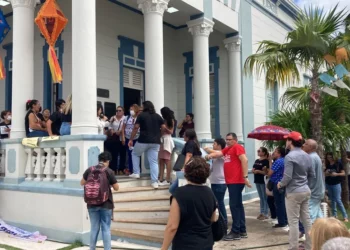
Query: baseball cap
(296,136)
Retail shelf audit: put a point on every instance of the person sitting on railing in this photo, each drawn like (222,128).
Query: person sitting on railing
(55,121)
(5,125)
(66,117)
(33,124)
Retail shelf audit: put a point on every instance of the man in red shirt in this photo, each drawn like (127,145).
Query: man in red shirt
(236,177)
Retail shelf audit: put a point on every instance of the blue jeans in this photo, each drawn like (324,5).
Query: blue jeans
(237,208)
(151,150)
(219,191)
(264,208)
(280,206)
(334,192)
(175,184)
(37,133)
(100,218)
(65,128)
(129,155)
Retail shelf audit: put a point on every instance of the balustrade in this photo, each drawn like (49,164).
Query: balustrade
(2,161)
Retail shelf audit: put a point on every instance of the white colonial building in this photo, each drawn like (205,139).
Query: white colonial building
(184,54)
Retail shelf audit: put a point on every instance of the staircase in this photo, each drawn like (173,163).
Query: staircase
(141,212)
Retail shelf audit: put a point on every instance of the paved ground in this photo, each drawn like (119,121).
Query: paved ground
(260,233)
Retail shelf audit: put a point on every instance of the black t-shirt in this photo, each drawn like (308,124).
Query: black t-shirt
(191,147)
(3,124)
(197,204)
(259,165)
(336,168)
(150,125)
(109,204)
(66,117)
(56,119)
(185,126)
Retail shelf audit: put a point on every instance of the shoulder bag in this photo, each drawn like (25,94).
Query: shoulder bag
(219,228)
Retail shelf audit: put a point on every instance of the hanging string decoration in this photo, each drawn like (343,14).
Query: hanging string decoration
(51,22)
(4,30)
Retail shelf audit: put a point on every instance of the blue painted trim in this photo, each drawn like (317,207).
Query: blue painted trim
(9,180)
(72,184)
(275,97)
(193,17)
(74,160)
(42,187)
(11,160)
(271,15)
(127,48)
(93,153)
(226,2)
(8,79)
(129,61)
(213,59)
(232,34)
(10,14)
(47,78)
(140,13)
(54,234)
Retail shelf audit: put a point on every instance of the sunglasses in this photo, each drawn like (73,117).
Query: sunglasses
(119,110)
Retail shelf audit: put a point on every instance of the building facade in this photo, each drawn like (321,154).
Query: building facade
(184,54)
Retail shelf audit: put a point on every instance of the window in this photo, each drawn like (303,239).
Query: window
(133,78)
(270,104)
(306,80)
(10,65)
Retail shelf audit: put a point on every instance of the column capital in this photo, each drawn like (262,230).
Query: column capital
(200,27)
(24,3)
(233,44)
(153,6)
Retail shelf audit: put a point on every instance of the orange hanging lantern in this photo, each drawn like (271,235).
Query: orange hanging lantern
(51,22)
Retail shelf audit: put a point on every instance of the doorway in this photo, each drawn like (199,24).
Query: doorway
(131,96)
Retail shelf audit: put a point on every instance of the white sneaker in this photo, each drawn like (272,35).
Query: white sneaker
(302,238)
(164,183)
(273,222)
(135,176)
(286,228)
(155,185)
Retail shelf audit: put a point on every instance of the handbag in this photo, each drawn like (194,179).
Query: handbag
(179,163)
(219,228)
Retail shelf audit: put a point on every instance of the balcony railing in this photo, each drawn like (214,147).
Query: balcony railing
(2,160)
(228,3)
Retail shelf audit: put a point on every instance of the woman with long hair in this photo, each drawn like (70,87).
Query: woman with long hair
(102,120)
(190,149)
(128,126)
(334,174)
(66,117)
(166,146)
(259,170)
(5,125)
(325,229)
(33,124)
(192,211)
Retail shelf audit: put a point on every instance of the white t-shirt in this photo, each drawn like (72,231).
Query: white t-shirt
(129,126)
(116,124)
(217,175)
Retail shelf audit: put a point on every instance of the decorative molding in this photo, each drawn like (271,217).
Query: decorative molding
(233,44)
(11,161)
(74,160)
(200,27)
(93,153)
(24,3)
(153,6)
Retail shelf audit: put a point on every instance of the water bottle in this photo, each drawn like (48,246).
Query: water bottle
(324,208)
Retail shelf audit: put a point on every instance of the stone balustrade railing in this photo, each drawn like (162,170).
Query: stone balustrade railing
(45,163)
(2,160)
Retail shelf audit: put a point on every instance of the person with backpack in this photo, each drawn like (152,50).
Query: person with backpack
(97,181)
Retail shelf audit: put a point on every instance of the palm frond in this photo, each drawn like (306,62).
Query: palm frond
(295,97)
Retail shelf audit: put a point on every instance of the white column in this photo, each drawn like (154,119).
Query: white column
(23,62)
(84,67)
(153,11)
(200,29)
(233,46)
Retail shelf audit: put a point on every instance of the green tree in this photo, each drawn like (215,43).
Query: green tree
(314,37)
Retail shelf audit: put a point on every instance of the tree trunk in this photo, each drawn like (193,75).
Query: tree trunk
(344,160)
(316,114)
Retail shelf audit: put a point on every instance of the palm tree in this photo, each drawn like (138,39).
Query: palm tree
(305,48)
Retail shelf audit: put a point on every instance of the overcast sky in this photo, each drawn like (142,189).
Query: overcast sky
(327,4)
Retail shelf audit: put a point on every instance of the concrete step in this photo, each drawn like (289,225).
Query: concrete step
(142,212)
(140,224)
(126,182)
(154,236)
(143,191)
(130,202)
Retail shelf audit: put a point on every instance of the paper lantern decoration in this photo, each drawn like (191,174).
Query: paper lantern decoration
(4,30)
(51,22)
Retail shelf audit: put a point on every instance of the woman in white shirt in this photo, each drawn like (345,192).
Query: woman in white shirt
(128,126)
(115,137)
(102,120)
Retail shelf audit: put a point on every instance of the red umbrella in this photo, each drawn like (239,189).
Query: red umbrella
(268,133)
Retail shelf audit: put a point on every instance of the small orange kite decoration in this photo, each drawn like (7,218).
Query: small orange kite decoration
(51,22)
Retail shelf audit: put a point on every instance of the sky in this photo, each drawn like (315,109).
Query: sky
(327,4)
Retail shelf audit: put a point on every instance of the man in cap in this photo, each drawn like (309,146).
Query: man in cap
(297,170)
